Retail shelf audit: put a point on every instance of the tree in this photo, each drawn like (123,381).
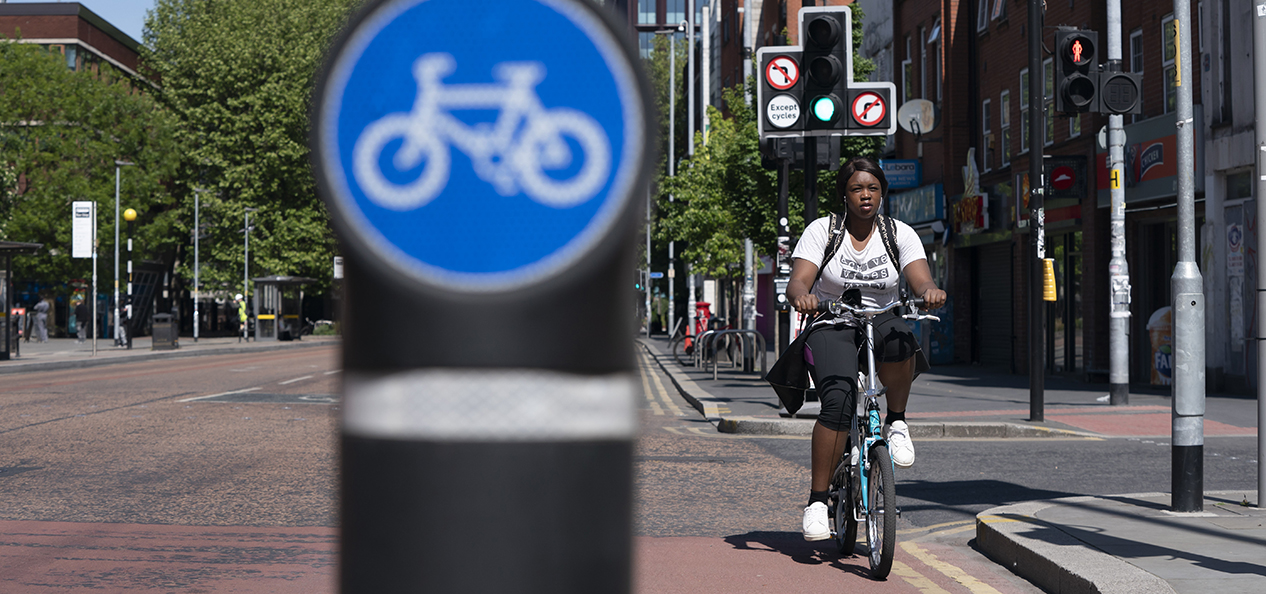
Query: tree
(239,76)
(60,133)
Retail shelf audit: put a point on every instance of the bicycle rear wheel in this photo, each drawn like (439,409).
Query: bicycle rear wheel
(681,354)
(881,516)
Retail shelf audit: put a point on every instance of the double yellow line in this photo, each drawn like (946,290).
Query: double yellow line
(660,402)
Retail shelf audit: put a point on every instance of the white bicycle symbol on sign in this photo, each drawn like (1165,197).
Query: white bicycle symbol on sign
(515,152)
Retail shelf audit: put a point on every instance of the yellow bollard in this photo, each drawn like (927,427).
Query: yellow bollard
(1048,281)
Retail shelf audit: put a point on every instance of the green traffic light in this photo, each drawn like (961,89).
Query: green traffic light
(823,108)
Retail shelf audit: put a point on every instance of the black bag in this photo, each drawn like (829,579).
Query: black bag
(789,376)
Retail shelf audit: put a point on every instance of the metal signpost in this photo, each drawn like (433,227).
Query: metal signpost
(83,228)
(1187,473)
(486,182)
(1259,130)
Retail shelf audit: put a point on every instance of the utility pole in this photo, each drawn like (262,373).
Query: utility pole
(672,157)
(1037,216)
(1188,294)
(1118,267)
(246,264)
(1259,130)
(690,142)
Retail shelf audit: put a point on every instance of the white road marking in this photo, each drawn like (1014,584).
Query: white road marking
(216,395)
(297,379)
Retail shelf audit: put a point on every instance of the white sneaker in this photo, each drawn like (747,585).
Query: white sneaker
(899,445)
(816,524)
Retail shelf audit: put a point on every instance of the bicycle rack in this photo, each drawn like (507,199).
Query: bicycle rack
(701,348)
(757,346)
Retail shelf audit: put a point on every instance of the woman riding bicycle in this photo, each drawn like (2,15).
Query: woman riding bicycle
(831,350)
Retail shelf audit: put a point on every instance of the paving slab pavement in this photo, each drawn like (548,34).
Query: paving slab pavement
(1118,544)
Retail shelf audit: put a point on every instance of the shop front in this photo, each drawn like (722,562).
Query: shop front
(1151,238)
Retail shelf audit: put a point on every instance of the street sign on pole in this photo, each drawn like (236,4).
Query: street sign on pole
(83,226)
(808,89)
(487,202)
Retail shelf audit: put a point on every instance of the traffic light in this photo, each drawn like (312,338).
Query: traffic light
(808,89)
(1076,71)
(827,50)
(1121,92)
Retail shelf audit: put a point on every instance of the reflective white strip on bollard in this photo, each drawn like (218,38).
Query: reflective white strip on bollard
(489,405)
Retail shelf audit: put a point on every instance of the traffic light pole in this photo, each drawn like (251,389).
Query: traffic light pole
(1188,291)
(1259,104)
(782,332)
(1037,127)
(1118,267)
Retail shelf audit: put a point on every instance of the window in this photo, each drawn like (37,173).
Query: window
(986,135)
(923,62)
(934,50)
(1024,111)
(1169,52)
(982,16)
(646,12)
(999,10)
(1004,128)
(1048,97)
(676,11)
(1136,61)
(907,74)
(645,43)
(1074,125)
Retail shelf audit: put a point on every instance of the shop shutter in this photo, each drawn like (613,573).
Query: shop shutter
(996,320)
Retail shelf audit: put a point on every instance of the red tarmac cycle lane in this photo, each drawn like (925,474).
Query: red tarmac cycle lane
(71,557)
(784,562)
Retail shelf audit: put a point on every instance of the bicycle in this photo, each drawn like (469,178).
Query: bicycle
(863,488)
(511,153)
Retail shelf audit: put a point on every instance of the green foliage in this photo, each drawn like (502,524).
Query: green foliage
(239,74)
(724,194)
(62,131)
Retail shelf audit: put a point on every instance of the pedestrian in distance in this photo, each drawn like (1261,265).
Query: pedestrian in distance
(41,320)
(874,253)
(82,319)
(241,316)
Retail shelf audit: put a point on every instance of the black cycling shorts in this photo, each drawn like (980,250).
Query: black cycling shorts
(832,355)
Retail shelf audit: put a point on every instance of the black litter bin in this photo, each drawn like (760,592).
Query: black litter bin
(165,338)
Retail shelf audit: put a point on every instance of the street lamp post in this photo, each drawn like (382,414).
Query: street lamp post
(117,324)
(129,215)
(246,260)
(197,231)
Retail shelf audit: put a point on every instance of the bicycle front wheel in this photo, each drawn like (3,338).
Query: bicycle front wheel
(881,512)
(845,521)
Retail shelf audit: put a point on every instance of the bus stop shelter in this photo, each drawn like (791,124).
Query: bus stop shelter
(9,325)
(279,307)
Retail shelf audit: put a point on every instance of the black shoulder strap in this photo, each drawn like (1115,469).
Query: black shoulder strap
(888,233)
(832,245)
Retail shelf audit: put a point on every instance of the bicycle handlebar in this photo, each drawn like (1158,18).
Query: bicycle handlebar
(837,306)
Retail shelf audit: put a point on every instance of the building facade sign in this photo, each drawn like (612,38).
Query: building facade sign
(921,205)
(971,215)
(1151,160)
(902,174)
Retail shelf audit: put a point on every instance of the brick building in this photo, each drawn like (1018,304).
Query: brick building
(969,58)
(87,40)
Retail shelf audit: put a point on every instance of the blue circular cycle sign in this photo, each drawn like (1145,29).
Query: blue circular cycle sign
(482,146)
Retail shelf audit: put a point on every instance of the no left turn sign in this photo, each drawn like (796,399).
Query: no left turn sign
(782,73)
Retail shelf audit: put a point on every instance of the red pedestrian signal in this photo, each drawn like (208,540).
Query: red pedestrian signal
(1076,74)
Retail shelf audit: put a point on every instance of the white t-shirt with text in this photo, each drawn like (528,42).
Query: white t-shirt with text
(868,269)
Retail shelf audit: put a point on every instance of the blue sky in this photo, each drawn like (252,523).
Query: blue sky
(127,15)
